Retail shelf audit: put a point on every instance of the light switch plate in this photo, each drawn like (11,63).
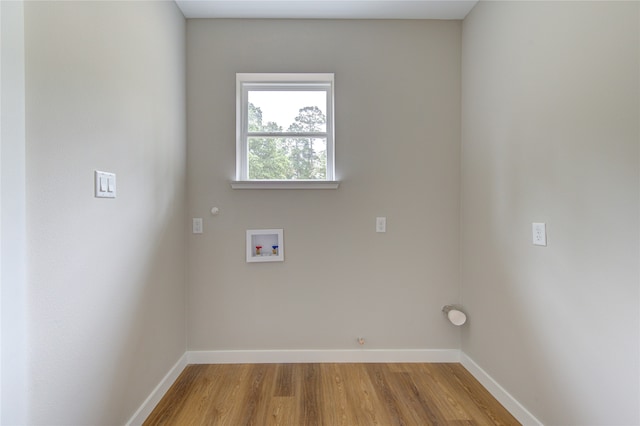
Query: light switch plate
(105,184)
(381,224)
(539,234)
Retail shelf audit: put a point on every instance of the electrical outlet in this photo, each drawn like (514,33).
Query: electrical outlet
(197,225)
(381,224)
(539,234)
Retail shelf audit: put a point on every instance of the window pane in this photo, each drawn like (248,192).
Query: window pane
(287,158)
(287,111)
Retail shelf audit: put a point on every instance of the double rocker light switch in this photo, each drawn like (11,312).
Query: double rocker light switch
(105,184)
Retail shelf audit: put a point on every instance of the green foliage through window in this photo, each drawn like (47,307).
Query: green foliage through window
(291,157)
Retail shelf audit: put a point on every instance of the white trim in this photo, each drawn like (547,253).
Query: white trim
(282,82)
(320,356)
(280,77)
(516,409)
(285,184)
(156,395)
(336,356)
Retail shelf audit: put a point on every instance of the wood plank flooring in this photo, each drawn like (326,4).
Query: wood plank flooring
(328,394)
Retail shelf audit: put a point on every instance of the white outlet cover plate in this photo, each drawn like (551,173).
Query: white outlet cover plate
(197,225)
(539,234)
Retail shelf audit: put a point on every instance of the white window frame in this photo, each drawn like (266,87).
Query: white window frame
(246,82)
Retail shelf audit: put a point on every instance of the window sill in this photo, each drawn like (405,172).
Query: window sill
(285,184)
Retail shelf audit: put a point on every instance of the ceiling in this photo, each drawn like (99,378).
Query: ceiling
(327,9)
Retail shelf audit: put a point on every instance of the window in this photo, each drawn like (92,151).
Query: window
(284,126)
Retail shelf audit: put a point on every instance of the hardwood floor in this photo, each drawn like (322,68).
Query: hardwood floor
(328,394)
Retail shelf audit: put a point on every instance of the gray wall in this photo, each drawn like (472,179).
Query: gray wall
(104,90)
(550,134)
(397,86)
(13,366)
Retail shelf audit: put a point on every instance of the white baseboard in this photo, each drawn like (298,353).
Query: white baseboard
(338,356)
(306,356)
(509,402)
(156,395)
